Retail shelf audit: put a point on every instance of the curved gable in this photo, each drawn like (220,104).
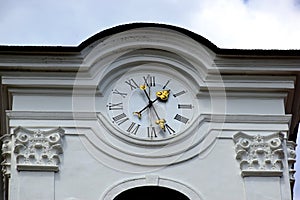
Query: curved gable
(127,27)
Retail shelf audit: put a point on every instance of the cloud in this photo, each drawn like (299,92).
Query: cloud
(264,24)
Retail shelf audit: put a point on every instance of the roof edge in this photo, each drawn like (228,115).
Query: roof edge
(125,27)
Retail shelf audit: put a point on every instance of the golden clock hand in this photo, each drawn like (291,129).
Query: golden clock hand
(159,121)
(163,95)
(139,113)
(144,87)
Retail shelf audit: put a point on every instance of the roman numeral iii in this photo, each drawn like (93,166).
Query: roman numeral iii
(185,106)
(181,118)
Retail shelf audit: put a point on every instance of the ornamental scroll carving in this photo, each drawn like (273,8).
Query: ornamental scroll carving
(260,155)
(37,149)
(6,155)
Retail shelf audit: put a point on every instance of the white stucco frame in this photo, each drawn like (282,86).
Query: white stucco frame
(151,180)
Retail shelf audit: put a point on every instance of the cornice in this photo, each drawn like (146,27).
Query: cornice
(218,118)
(62,59)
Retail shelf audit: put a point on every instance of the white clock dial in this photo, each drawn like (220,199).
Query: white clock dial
(151,106)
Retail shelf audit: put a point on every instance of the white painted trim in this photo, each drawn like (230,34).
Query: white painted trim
(144,181)
(41,115)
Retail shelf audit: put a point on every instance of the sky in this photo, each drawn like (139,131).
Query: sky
(243,24)
(235,24)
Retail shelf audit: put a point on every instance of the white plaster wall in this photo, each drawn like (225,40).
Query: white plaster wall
(214,176)
(42,103)
(232,105)
(87,173)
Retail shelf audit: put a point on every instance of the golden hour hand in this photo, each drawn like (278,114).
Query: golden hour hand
(139,113)
(162,95)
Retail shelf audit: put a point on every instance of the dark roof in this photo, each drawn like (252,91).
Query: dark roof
(125,27)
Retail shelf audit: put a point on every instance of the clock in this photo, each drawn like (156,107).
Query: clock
(151,105)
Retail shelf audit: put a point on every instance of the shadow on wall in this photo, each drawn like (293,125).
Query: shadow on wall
(297,168)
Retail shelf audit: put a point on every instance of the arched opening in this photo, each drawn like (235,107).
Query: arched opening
(151,192)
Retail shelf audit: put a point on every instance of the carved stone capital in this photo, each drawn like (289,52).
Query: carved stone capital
(6,154)
(291,156)
(259,155)
(37,149)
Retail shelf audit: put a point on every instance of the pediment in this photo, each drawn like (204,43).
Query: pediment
(115,50)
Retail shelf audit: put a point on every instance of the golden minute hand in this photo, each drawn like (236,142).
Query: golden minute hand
(162,95)
(139,113)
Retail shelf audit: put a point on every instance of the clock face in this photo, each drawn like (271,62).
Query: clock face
(151,106)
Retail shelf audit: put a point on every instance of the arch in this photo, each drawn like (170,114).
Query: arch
(126,27)
(150,193)
(144,45)
(148,183)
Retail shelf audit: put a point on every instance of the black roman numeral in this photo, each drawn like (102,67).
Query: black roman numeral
(181,118)
(115,106)
(133,128)
(169,129)
(133,85)
(164,87)
(185,106)
(179,93)
(123,94)
(151,132)
(149,80)
(120,119)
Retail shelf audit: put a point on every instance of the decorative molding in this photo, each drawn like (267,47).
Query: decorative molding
(228,118)
(49,115)
(6,155)
(251,118)
(38,150)
(259,155)
(291,158)
(152,179)
(155,181)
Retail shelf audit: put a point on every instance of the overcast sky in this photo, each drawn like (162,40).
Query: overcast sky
(263,24)
(244,24)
